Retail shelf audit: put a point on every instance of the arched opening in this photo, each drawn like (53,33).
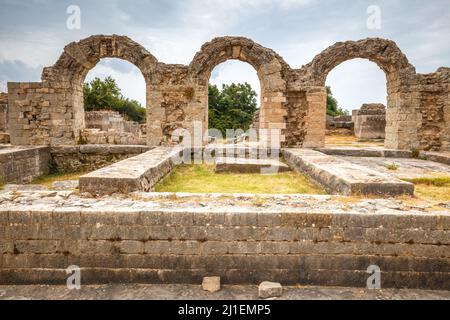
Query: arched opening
(234,98)
(114,104)
(356,104)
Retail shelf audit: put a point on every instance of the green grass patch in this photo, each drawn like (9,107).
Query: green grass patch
(48,180)
(431,181)
(392,167)
(203,179)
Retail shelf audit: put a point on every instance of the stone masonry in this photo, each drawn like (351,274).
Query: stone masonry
(292,100)
(137,244)
(23,165)
(370,121)
(3,111)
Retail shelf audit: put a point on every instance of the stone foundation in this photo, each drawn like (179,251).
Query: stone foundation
(91,157)
(181,246)
(23,165)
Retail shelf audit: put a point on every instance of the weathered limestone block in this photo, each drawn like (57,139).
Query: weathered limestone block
(242,165)
(140,173)
(270,290)
(370,122)
(342,177)
(211,284)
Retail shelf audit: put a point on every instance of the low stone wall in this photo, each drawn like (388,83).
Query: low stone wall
(95,136)
(140,173)
(23,165)
(342,177)
(176,246)
(91,157)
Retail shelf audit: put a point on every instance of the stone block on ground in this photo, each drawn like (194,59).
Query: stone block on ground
(242,165)
(211,284)
(270,290)
(343,177)
(140,173)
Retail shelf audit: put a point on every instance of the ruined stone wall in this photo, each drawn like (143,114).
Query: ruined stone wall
(3,111)
(292,100)
(91,157)
(22,165)
(431,96)
(143,246)
(95,136)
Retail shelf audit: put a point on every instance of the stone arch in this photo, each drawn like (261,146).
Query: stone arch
(78,58)
(401,128)
(270,67)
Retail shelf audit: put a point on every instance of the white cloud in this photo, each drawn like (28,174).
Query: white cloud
(356,82)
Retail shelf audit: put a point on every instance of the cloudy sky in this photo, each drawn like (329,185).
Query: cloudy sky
(34,32)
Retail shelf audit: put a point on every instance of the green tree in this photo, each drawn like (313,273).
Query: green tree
(105,95)
(231,108)
(333,106)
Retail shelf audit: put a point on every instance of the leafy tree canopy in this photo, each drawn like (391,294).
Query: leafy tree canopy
(232,107)
(105,95)
(332,105)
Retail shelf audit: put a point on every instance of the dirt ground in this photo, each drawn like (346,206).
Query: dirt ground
(194,292)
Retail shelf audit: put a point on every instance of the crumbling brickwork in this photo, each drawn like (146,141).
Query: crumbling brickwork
(292,100)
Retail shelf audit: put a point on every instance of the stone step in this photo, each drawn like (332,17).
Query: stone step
(140,173)
(342,177)
(244,165)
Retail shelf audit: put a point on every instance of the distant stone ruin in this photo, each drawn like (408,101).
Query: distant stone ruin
(370,121)
(293,101)
(110,127)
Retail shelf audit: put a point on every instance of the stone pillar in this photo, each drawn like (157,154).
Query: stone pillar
(316,117)
(402,121)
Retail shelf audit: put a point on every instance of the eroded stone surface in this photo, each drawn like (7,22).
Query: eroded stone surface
(405,168)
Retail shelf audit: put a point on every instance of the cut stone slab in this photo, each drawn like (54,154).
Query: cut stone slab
(441,157)
(140,173)
(343,177)
(242,165)
(366,152)
(211,284)
(270,290)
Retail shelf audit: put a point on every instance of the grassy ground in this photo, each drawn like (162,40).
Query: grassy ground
(203,179)
(54,177)
(432,188)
